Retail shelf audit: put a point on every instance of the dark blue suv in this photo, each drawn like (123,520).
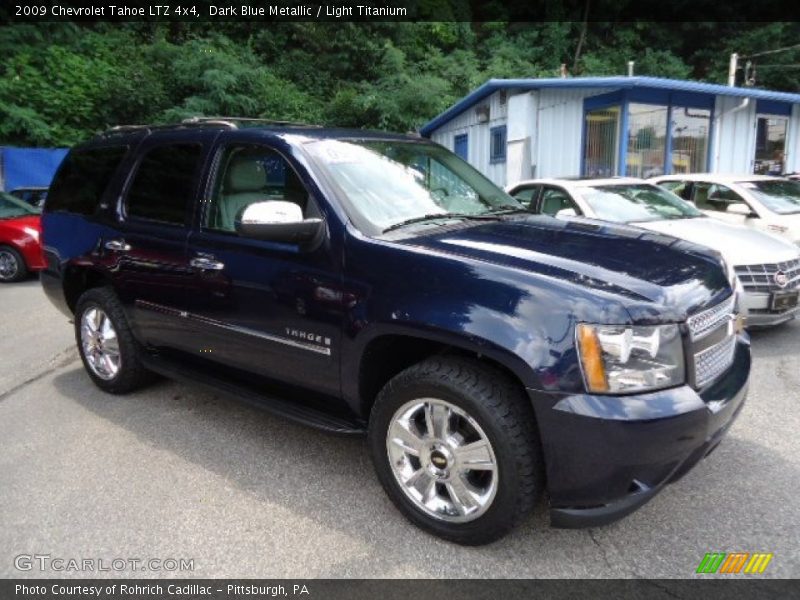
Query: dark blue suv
(372,283)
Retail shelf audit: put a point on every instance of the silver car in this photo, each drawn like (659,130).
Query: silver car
(766,268)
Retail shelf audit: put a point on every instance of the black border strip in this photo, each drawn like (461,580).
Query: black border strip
(709,587)
(401,10)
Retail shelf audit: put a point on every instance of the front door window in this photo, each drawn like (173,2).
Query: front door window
(251,174)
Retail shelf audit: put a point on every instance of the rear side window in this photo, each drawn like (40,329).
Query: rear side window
(679,188)
(527,195)
(165,182)
(82,179)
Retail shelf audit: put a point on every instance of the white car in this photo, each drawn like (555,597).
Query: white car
(770,204)
(766,268)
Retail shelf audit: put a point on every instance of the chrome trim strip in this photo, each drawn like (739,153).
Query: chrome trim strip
(316,348)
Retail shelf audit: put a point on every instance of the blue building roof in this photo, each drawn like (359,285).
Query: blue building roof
(659,83)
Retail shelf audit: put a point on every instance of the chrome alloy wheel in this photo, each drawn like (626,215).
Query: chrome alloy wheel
(8,265)
(442,460)
(100,345)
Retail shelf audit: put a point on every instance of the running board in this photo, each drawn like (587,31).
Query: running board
(278,406)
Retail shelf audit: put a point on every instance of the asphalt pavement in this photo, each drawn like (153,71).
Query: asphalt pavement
(176,472)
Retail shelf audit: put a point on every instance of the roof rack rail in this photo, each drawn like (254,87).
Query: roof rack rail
(234,120)
(191,122)
(197,121)
(209,121)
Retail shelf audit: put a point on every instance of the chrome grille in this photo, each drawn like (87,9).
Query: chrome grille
(761,278)
(710,361)
(707,321)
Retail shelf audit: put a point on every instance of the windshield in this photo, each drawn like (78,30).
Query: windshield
(388,183)
(11,207)
(636,203)
(778,195)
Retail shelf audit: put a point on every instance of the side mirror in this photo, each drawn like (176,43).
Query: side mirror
(739,208)
(277,221)
(566,212)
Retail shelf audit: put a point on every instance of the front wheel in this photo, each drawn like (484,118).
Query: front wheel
(110,353)
(12,265)
(454,444)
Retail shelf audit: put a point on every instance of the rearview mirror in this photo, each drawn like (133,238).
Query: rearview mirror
(277,221)
(739,208)
(566,212)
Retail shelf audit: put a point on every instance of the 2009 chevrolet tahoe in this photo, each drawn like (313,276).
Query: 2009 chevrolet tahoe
(374,283)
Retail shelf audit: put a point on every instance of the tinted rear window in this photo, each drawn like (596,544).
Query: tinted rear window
(165,182)
(82,179)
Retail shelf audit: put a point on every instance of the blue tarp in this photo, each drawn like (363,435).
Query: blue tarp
(29,167)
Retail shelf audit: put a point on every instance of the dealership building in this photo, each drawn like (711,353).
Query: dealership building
(514,129)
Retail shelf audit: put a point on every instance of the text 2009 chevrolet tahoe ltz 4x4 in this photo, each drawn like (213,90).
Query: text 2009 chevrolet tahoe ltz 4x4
(366,282)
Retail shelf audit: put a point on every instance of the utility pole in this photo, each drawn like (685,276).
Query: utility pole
(732,70)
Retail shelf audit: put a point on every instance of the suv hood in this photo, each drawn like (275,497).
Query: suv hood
(738,245)
(618,259)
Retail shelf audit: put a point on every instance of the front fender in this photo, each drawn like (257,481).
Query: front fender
(524,321)
(465,341)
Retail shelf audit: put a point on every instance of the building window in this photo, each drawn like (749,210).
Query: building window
(461,146)
(770,145)
(497,144)
(601,150)
(690,129)
(647,140)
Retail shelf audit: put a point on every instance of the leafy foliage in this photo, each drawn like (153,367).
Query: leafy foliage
(61,82)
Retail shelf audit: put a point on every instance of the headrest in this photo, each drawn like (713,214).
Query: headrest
(245,174)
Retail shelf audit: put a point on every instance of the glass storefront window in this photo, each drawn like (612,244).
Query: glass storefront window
(601,148)
(690,131)
(770,145)
(647,140)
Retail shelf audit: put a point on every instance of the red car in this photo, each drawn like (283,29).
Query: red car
(20,235)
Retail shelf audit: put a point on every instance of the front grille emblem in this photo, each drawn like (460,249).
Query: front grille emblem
(781,280)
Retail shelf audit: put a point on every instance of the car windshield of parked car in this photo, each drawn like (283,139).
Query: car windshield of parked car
(778,195)
(11,207)
(390,183)
(636,203)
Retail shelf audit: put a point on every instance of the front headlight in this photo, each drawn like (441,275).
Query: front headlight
(618,359)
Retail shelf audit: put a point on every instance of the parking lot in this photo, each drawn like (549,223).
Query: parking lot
(177,472)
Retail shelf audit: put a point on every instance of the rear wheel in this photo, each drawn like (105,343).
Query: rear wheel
(106,344)
(454,445)
(12,265)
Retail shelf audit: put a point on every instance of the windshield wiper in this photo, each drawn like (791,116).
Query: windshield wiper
(433,216)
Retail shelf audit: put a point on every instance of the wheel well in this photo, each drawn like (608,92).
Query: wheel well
(77,281)
(388,355)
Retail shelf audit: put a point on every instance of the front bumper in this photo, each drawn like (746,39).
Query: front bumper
(755,308)
(606,456)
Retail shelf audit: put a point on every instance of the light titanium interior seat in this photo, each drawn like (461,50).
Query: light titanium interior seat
(245,183)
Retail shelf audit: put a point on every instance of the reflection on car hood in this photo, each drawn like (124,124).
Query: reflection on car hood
(20,223)
(739,245)
(614,258)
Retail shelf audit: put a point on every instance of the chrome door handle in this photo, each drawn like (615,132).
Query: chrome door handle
(207,263)
(117,245)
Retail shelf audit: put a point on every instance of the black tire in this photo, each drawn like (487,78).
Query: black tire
(20,269)
(131,374)
(506,417)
